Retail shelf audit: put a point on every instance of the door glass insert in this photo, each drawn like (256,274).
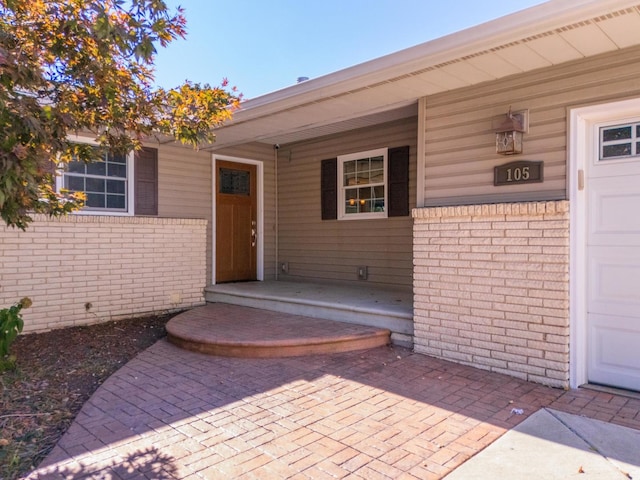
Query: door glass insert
(235,182)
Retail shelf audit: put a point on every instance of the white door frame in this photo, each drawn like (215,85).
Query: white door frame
(583,148)
(260,193)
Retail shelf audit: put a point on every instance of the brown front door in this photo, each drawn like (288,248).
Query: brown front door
(236,222)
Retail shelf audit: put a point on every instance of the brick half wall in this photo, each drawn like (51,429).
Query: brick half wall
(491,287)
(84,269)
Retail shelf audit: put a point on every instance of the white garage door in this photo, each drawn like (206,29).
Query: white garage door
(613,257)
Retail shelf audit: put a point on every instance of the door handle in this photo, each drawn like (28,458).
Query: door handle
(254,234)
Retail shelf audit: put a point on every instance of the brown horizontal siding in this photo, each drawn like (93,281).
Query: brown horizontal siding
(332,250)
(184,187)
(184,182)
(460,132)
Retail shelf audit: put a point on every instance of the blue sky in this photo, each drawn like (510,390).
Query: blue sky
(265,45)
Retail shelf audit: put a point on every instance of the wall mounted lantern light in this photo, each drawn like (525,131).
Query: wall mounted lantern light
(509,133)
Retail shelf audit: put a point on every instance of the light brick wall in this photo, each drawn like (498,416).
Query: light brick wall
(122,266)
(491,287)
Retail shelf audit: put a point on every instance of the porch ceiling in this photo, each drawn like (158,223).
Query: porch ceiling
(388,88)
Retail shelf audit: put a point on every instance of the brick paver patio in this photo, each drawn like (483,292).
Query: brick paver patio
(382,413)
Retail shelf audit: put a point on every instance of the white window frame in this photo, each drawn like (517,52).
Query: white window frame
(130,199)
(342,159)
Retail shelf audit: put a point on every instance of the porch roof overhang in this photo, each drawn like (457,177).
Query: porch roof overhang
(389,87)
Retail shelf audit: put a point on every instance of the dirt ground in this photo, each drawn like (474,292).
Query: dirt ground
(56,373)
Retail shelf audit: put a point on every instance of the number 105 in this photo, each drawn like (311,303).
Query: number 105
(517,174)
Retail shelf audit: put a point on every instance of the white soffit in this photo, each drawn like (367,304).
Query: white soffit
(589,40)
(552,33)
(493,64)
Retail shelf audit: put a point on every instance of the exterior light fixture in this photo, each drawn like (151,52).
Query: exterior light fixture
(509,134)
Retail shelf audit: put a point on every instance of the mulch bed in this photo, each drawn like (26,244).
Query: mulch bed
(56,373)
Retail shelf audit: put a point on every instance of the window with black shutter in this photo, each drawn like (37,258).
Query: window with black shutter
(366,185)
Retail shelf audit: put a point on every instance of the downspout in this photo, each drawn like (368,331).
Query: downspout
(277,224)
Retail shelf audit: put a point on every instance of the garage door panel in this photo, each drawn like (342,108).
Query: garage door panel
(614,280)
(614,358)
(614,217)
(613,266)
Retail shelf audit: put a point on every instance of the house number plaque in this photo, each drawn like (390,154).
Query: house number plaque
(514,173)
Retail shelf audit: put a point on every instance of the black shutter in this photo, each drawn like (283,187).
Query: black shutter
(329,189)
(398,183)
(146,182)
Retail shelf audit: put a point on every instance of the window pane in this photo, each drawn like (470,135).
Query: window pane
(349,180)
(351,200)
(619,150)
(95,200)
(115,201)
(76,167)
(377,163)
(75,184)
(349,167)
(377,176)
(115,186)
(117,158)
(362,178)
(362,165)
(116,170)
(96,168)
(364,193)
(378,199)
(95,185)
(619,133)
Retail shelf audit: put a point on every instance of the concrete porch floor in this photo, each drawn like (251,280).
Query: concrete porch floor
(363,304)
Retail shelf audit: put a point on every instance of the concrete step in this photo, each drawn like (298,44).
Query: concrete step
(237,331)
(387,309)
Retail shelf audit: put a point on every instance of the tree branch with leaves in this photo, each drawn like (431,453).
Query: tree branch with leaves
(77,66)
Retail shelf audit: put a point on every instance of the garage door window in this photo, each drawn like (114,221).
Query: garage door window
(620,141)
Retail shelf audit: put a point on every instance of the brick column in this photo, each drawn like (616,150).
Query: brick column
(491,287)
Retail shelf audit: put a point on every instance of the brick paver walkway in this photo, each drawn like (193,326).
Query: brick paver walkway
(382,413)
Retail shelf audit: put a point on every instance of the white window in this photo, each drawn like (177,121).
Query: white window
(362,191)
(107,183)
(620,141)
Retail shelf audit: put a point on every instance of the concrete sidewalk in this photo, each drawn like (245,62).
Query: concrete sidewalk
(381,413)
(555,446)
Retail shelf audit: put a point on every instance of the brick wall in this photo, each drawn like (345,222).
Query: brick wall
(491,287)
(121,266)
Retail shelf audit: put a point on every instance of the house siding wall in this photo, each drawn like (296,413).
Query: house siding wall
(122,266)
(331,250)
(184,188)
(492,287)
(460,128)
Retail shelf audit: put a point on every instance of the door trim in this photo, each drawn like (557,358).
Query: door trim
(583,145)
(260,213)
